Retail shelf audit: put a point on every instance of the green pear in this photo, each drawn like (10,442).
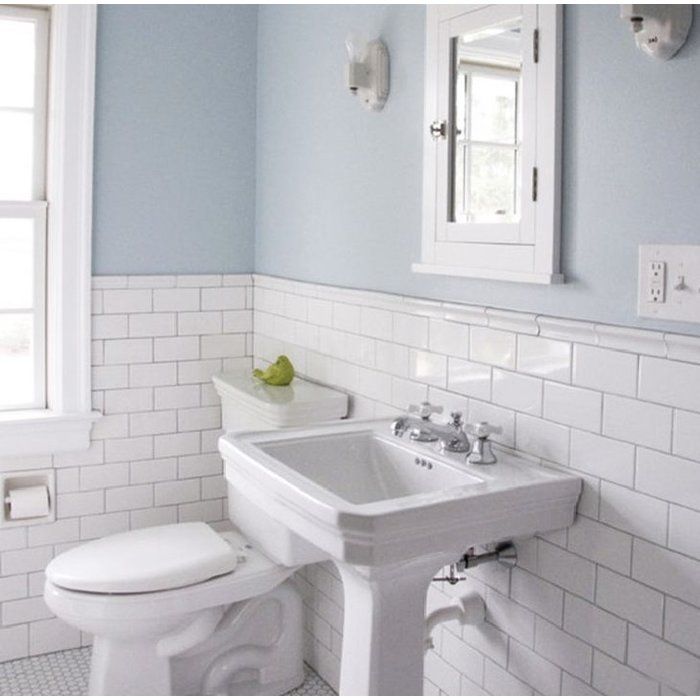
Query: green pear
(279,373)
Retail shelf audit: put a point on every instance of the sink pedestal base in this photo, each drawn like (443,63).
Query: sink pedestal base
(384,627)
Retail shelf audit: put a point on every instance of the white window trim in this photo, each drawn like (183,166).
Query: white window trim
(66,422)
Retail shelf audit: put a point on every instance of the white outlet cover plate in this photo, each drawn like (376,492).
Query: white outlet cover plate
(682,263)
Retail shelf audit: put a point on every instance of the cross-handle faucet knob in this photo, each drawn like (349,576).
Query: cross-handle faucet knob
(484,429)
(481,452)
(425,409)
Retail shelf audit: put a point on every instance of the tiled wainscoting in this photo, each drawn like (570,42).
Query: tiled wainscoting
(153,458)
(611,605)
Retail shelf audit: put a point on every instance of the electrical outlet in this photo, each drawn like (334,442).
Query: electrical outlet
(656,284)
(668,282)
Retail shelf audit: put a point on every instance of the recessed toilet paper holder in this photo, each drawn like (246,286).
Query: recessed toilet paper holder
(14,481)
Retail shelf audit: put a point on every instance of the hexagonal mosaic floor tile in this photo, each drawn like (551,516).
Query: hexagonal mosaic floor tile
(66,673)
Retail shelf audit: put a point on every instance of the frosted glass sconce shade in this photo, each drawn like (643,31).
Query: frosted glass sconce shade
(367,71)
(659,30)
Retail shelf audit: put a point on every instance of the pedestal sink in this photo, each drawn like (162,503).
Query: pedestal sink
(389,513)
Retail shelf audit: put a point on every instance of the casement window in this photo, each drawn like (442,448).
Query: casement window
(46,110)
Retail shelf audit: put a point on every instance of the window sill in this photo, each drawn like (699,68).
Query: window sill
(505,275)
(40,432)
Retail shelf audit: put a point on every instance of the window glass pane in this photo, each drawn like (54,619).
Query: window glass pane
(16,360)
(16,263)
(494,105)
(17,56)
(492,184)
(17,161)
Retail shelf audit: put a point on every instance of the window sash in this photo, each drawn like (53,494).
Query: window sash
(36,208)
(36,212)
(40,19)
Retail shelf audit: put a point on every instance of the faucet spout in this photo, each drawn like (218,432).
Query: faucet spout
(420,428)
(399,426)
(451,435)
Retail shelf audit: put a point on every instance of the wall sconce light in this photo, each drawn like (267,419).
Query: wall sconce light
(367,72)
(659,30)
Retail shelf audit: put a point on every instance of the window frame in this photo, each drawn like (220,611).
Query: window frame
(65,422)
(495,251)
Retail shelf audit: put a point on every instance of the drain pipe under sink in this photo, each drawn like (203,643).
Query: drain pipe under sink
(467,610)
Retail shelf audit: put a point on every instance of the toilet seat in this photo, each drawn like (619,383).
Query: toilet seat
(254,575)
(143,561)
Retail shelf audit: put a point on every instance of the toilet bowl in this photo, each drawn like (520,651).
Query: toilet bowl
(181,610)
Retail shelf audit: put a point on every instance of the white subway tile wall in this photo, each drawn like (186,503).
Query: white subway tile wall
(153,459)
(611,605)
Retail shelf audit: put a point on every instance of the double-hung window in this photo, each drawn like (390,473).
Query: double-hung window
(47,63)
(23,96)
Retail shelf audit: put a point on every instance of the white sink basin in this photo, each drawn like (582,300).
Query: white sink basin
(390,513)
(365,467)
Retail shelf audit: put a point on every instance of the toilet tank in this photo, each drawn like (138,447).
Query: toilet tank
(249,404)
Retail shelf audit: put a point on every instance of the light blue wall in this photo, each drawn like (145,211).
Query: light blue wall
(339,189)
(174,139)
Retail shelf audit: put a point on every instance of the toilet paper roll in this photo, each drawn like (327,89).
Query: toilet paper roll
(28,502)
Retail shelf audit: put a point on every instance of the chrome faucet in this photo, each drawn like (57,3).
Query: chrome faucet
(451,435)
(416,419)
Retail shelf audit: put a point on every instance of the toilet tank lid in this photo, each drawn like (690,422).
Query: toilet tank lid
(299,403)
(146,560)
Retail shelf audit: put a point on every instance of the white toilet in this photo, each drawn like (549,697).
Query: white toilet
(182,609)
